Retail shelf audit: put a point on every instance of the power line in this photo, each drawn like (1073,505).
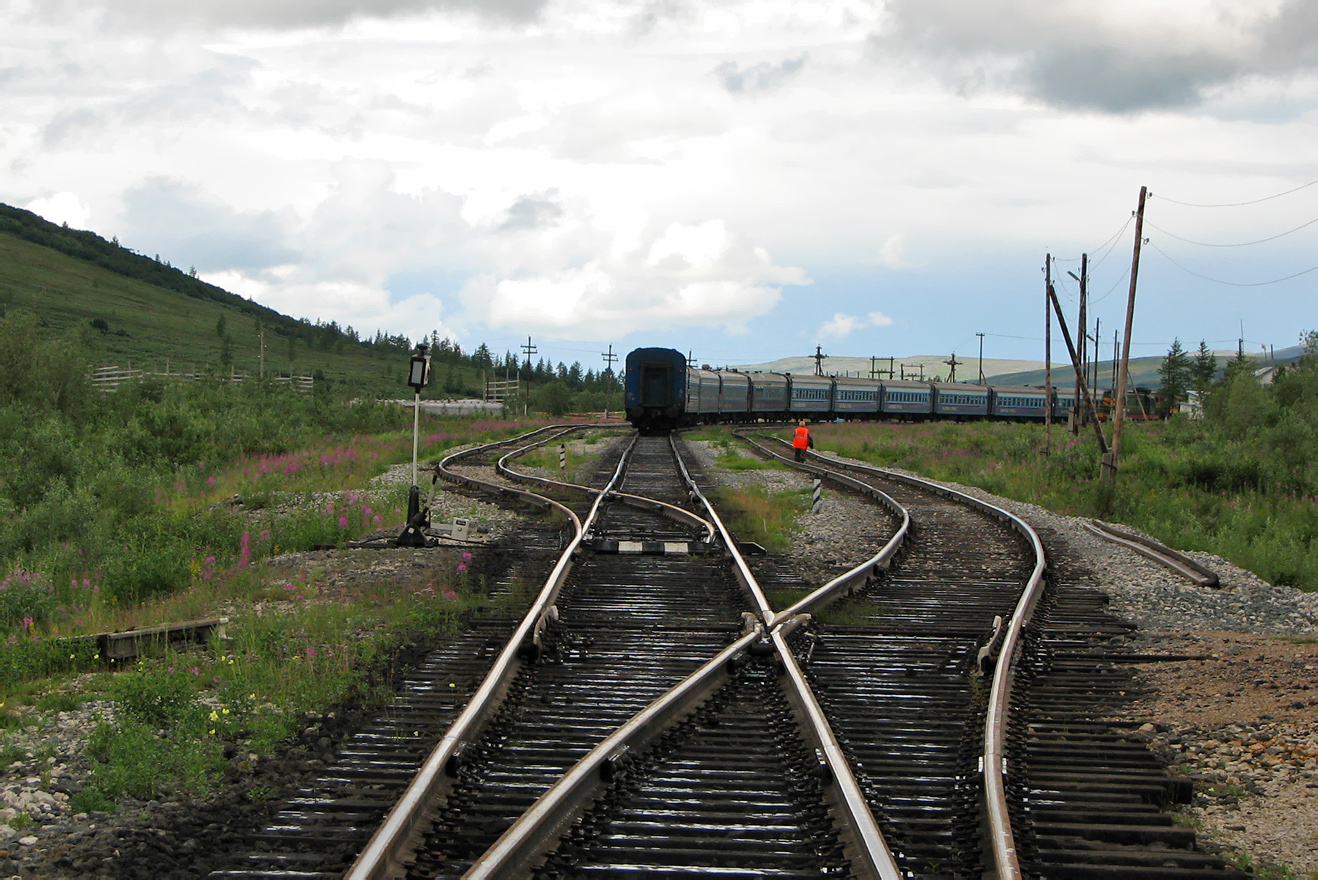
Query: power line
(1239,204)
(1108,292)
(1230,283)
(1238,244)
(1110,244)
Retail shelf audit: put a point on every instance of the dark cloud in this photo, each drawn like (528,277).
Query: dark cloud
(187,228)
(532,212)
(760,77)
(301,13)
(1110,79)
(1079,61)
(1290,41)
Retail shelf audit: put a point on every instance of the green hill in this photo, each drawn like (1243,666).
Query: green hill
(128,308)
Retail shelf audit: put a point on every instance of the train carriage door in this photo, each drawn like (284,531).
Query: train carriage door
(654,385)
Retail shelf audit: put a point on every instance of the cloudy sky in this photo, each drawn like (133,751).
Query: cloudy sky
(744,180)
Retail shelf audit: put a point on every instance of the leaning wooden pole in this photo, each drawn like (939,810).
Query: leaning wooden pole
(1075,363)
(1110,470)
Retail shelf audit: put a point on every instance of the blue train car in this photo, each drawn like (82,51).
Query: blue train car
(907,399)
(655,391)
(1023,402)
(768,395)
(811,395)
(734,396)
(702,395)
(961,401)
(663,392)
(856,398)
(1063,403)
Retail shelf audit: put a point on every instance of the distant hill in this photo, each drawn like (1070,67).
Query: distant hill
(914,366)
(1143,371)
(132,309)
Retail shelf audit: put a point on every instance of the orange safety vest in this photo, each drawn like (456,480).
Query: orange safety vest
(801,440)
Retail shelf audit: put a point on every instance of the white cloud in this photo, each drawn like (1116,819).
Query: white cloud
(65,208)
(691,275)
(587,169)
(842,325)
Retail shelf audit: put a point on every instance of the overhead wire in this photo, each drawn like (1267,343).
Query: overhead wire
(1229,283)
(1236,204)
(1237,244)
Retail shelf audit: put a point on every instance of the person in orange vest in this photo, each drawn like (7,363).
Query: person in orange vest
(801,440)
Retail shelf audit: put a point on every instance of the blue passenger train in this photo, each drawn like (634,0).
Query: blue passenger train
(663,392)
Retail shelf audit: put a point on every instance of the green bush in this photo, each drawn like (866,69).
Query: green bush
(132,758)
(162,695)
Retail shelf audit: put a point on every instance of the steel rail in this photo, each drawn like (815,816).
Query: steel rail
(863,574)
(1001,838)
(1160,553)
(672,511)
(530,837)
(865,844)
(535,831)
(397,833)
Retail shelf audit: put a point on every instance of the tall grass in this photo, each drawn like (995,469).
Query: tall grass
(757,514)
(1180,481)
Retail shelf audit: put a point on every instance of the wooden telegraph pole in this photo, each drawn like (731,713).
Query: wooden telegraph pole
(1110,461)
(1047,355)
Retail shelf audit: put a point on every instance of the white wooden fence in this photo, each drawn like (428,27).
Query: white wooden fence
(109,378)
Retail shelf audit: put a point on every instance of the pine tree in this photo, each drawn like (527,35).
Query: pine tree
(1176,375)
(1204,368)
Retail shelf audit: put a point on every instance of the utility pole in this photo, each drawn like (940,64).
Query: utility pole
(1098,334)
(529,349)
(1047,354)
(818,358)
(1110,472)
(952,363)
(1076,412)
(609,358)
(981,357)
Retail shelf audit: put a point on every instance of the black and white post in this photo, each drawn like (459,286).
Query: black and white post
(417,377)
(818,500)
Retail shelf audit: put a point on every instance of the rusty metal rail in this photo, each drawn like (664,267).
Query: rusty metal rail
(1159,553)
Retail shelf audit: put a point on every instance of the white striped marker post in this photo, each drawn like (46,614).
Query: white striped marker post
(819,488)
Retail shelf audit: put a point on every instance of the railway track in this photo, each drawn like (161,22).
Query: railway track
(1084,796)
(653,715)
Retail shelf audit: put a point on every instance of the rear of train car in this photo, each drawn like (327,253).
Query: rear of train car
(655,390)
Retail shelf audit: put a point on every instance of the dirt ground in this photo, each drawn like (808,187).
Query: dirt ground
(1244,724)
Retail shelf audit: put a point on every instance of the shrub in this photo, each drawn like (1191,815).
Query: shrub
(131,758)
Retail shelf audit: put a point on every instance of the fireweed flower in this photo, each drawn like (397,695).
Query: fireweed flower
(343,522)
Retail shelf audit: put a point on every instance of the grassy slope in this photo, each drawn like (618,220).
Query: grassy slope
(160,325)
